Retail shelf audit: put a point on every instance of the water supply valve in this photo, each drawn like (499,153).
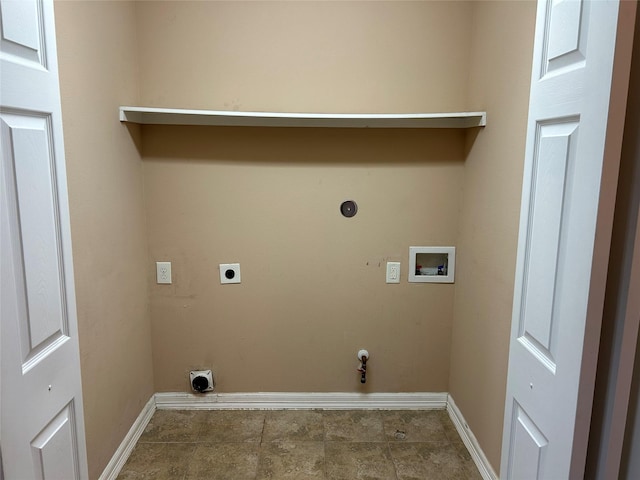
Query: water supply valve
(363,356)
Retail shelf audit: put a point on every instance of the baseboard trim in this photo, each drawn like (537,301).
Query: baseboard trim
(121,455)
(301,401)
(470,441)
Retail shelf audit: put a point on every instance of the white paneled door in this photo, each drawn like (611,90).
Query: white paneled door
(568,115)
(42,427)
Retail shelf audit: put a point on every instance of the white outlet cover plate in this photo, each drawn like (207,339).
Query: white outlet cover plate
(393,272)
(163,272)
(208,374)
(229,267)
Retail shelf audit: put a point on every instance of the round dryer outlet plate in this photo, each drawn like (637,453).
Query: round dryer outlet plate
(348,208)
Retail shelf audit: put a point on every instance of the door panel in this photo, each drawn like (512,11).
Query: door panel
(529,446)
(57,441)
(551,159)
(43,321)
(21,23)
(566,132)
(42,427)
(565,35)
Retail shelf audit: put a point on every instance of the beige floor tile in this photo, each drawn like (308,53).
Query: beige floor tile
(224,461)
(230,416)
(461,448)
(300,425)
(454,437)
(171,426)
(431,461)
(449,427)
(353,460)
(230,426)
(413,426)
(157,461)
(353,426)
(289,460)
(302,444)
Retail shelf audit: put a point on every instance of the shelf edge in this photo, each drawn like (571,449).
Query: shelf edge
(170,116)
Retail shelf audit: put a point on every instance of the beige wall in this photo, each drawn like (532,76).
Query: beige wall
(96,50)
(305,56)
(499,81)
(313,286)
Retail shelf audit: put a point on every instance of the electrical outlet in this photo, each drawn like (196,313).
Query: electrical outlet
(393,272)
(163,272)
(202,380)
(229,273)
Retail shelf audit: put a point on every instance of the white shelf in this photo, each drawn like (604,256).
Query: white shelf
(175,116)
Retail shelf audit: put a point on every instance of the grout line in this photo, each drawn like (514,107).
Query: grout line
(388,445)
(167,442)
(264,423)
(393,461)
(260,456)
(190,461)
(324,446)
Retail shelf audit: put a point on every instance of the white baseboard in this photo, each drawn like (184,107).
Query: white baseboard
(470,441)
(121,455)
(301,401)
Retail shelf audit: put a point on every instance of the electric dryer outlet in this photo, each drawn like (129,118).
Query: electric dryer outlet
(201,380)
(229,273)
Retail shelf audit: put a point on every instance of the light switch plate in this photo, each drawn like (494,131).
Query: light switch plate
(393,272)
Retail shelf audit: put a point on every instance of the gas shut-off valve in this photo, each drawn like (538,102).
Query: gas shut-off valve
(363,356)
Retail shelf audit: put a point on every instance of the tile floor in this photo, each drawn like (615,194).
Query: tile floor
(300,444)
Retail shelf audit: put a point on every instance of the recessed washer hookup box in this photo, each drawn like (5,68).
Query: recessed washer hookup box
(432,264)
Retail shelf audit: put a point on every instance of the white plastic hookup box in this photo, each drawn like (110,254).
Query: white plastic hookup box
(432,264)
